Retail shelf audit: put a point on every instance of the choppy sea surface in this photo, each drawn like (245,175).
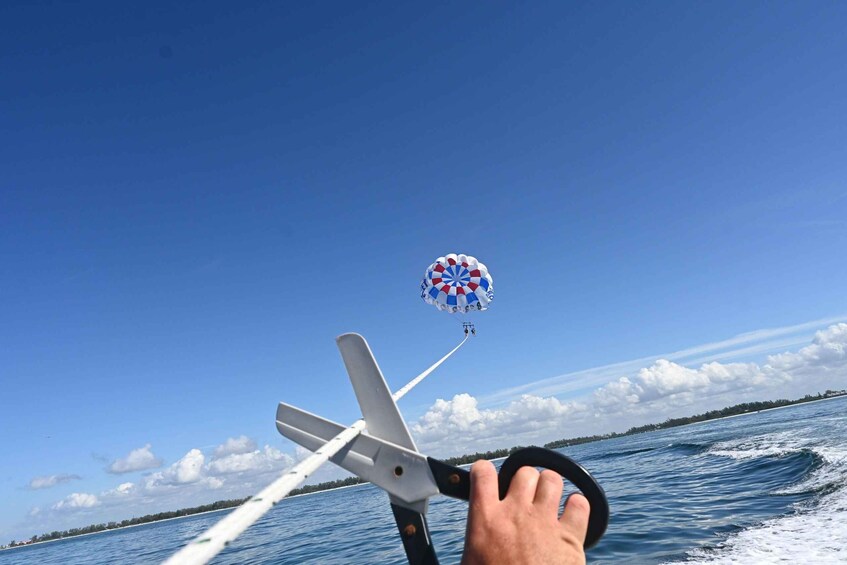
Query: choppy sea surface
(769,487)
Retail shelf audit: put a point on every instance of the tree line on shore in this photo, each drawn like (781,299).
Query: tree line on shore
(737,409)
(57,534)
(743,408)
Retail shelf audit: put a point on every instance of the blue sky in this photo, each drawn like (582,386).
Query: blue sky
(196,199)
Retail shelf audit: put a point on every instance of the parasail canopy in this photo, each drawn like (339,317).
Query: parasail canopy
(457,283)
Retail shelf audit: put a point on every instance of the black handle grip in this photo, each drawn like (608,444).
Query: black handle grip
(598,520)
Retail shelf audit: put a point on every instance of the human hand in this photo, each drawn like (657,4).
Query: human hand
(524,527)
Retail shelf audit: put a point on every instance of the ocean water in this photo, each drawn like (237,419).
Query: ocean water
(769,487)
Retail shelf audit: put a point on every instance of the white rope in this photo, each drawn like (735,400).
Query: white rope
(204,547)
(402,392)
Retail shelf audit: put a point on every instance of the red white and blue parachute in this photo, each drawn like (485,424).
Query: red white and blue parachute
(457,283)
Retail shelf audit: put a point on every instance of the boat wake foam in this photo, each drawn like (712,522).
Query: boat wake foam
(814,532)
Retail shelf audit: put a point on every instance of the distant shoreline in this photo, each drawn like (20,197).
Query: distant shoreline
(742,409)
(769,409)
(31,544)
(363,483)
(174,518)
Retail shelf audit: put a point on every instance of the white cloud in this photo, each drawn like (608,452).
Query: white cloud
(231,458)
(666,379)
(122,490)
(826,354)
(651,393)
(301,453)
(51,481)
(188,469)
(138,460)
(267,459)
(77,500)
(240,444)
(237,468)
(746,344)
(241,455)
(459,424)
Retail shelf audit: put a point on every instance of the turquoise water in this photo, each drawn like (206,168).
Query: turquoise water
(761,488)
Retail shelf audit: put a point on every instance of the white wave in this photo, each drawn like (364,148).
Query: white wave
(834,457)
(832,472)
(816,534)
(769,445)
(750,453)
